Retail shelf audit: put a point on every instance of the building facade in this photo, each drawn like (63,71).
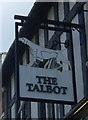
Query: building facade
(2,57)
(56,26)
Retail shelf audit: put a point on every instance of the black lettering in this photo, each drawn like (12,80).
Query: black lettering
(64,89)
(36,88)
(49,88)
(47,80)
(29,86)
(54,81)
(56,90)
(39,79)
(42,88)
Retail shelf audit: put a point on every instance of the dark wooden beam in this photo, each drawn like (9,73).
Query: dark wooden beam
(12,101)
(63,29)
(68,18)
(83,48)
(63,24)
(19,17)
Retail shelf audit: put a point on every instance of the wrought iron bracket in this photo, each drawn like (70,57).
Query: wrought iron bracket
(47,24)
(22,18)
(66,43)
(59,26)
(85,10)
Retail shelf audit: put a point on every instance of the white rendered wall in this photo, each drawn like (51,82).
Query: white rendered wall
(12,94)
(86,25)
(61,11)
(51,17)
(41,38)
(13,111)
(78,64)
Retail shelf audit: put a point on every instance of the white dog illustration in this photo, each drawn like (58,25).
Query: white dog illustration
(41,53)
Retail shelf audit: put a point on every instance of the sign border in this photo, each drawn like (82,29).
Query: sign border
(49,100)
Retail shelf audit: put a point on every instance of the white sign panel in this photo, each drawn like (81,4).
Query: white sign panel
(45,84)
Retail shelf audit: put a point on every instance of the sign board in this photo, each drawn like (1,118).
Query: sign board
(45,84)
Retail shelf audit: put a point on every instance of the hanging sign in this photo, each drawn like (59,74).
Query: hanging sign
(45,84)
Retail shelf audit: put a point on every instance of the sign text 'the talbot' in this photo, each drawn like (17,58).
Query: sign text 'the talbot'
(46,85)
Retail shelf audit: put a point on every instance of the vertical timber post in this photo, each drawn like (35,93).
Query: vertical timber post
(83,51)
(71,52)
(17,69)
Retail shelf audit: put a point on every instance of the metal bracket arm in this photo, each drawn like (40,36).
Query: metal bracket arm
(62,24)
